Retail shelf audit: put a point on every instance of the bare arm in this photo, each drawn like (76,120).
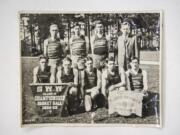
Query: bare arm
(82,83)
(127,81)
(92,44)
(75,71)
(45,47)
(58,76)
(104,83)
(87,45)
(123,79)
(53,74)
(99,79)
(35,79)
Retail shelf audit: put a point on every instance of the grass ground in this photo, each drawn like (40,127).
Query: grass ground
(101,114)
(149,55)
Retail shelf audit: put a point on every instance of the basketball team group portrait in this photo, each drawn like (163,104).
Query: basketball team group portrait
(90,68)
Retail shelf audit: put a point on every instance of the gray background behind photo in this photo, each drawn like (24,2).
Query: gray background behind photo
(10,63)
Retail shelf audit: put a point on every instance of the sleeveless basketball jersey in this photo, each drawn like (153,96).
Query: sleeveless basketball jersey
(67,78)
(78,46)
(136,81)
(44,76)
(100,46)
(90,79)
(114,79)
(54,49)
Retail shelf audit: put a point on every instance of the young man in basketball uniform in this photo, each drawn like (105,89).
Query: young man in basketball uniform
(137,78)
(137,81)
(66,74)
(113,78)
(77,45)
(41,73)
(92,84)
(99,46)
(53,50)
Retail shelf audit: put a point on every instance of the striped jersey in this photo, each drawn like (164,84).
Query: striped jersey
(90,79)
(113,78)
(136,80)
(100,45)
(78,46)
(54,50)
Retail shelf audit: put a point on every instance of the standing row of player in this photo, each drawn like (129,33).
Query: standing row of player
(126,46)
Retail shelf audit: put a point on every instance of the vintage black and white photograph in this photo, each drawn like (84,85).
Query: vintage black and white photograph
(91,69)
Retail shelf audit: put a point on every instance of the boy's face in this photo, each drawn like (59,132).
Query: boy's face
(76,30)
(36,32)
(54,31)
(82,25)
(67,65)
(111,65)
(134,64)
(65,34)
(89,65)
(82,32)
(99,28)
(43,63)
(81,64)
(125,30)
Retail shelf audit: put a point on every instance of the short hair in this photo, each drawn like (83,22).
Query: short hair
(111,59)
(81,59)
(67,59)
(43,57)
(36,28)
(98,22)
(53,25)
(126,24)
(88,58)
(134,58)
(76,24)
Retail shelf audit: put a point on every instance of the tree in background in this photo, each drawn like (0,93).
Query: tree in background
(145,26)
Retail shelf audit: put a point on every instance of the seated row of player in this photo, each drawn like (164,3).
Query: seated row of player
(87,82)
